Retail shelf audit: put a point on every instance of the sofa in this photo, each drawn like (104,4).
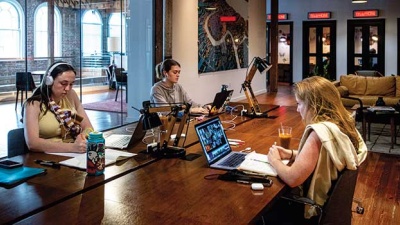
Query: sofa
(368,89)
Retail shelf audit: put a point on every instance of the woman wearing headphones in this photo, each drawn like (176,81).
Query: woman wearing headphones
(54,119)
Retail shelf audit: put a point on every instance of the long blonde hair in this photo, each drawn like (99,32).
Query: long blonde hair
(322,100)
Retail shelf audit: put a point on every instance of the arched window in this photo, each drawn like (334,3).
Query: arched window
(116,26)
(91,33)
(11,29)
(41,32)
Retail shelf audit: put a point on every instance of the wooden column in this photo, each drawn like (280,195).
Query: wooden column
(159,31)
(273,72)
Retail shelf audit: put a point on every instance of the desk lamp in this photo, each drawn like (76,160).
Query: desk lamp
(254,110)
(152,120)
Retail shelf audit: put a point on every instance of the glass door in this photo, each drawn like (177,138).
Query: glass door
(366,45)
(285,50)
(319,49)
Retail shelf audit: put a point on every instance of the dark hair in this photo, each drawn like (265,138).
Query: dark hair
(43,92)
(168,63)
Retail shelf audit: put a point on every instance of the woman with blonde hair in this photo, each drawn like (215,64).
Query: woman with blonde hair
(330,143)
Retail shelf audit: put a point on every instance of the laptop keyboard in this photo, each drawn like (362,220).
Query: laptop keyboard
(118,141)
(233,160)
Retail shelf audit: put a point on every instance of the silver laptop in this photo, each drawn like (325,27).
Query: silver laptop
(216,146)
(123,141)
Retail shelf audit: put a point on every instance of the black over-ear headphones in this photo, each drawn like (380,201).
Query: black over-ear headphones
(49,79)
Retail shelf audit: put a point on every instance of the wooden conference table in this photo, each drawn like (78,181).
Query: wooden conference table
(143,190)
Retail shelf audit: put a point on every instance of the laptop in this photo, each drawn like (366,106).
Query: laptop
(123,141)
(221,100)
(216,146)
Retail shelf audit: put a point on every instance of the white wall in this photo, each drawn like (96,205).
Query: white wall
(202,88)
(342,11)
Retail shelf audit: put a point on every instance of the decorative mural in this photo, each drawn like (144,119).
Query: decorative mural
(222,36)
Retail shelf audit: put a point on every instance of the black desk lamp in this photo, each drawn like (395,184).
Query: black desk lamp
(152,120)
(254,110)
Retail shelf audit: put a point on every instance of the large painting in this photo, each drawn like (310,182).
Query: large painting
(222,36)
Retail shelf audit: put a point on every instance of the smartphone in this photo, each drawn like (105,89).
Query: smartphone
(8,164)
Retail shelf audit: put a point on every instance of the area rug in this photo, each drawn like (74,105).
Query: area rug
(106,106)
(380,139)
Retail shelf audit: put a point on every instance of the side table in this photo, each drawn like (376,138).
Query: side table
(383,117)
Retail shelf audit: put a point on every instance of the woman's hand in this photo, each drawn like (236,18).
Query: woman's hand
(80,144)
(281,152)
(274,153)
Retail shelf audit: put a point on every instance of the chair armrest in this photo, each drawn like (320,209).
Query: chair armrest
(343,91)
(302,200)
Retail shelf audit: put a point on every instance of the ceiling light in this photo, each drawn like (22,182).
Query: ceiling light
(359,1)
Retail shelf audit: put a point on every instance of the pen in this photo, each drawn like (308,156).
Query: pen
(236,140)
(234,143)
(47,163)
(243,181)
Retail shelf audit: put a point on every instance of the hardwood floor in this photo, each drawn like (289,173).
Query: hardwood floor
(378,185)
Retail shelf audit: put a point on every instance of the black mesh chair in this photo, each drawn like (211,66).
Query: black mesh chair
(338,207)
(23,83)
(120,81)
(16,144)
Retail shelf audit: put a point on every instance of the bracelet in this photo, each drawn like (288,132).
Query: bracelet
(291,155)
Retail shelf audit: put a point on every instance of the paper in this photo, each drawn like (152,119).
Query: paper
(259,164)
(79,161)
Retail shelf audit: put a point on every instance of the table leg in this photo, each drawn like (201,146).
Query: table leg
(392,132)
(363,127)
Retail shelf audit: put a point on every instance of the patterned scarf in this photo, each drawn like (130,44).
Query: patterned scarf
(70,124)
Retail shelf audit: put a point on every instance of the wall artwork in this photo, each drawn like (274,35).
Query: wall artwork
(222,36)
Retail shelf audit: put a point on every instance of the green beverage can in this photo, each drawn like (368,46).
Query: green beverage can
(95,154)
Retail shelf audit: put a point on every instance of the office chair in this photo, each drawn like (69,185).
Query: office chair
(16,144)
(24,83)
(338,207)
(120,81)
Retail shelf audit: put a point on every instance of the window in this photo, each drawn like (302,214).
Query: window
(41,32)
(91,33)
(116,26)
(11,29)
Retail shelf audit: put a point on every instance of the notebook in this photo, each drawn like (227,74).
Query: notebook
(216,146)
(221,100)
(123,141)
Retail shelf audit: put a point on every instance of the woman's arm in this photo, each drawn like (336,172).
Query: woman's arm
(37,144)
(302,167)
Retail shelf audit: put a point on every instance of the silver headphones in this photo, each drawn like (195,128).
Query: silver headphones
(49,79)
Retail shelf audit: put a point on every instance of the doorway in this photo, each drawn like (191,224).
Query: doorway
(285,50)
(319,49)
(366,45)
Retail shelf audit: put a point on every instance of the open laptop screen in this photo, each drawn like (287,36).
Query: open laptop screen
(213,139)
